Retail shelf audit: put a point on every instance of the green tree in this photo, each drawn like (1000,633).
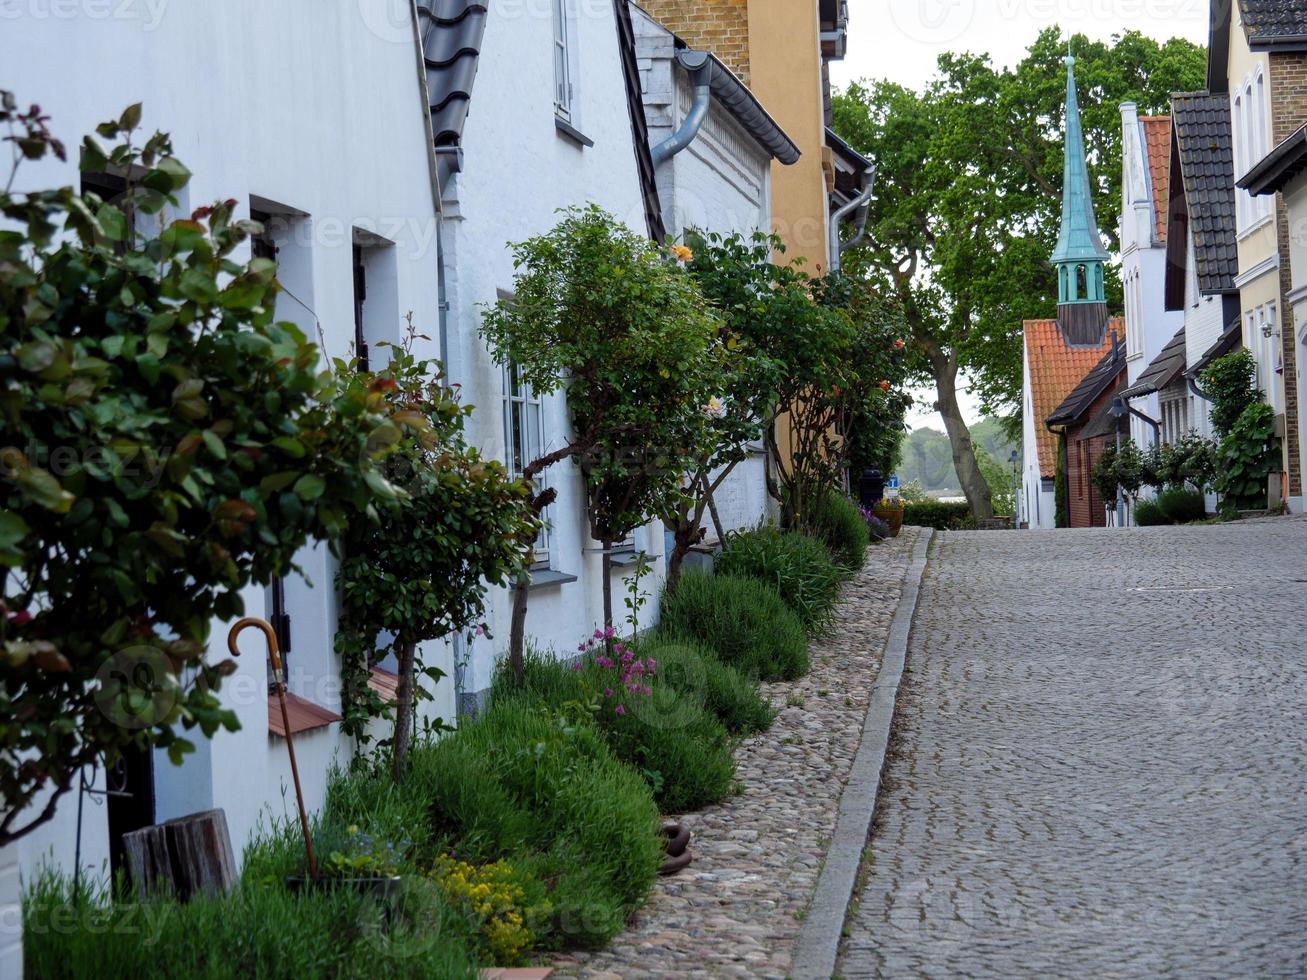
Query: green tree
(968,201)
(166,445)
(613,321)
(421,569)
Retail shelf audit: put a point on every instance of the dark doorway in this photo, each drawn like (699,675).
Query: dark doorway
(130,785)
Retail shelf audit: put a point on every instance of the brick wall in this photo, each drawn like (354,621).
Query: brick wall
(1288,113)
(719,26)
(1086,505)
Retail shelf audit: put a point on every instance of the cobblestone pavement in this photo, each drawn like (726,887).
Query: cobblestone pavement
(1098,767)
(736,911)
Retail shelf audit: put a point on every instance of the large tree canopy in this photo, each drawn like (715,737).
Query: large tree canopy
(968,199)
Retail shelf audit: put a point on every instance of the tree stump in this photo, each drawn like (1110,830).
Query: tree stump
(183,857)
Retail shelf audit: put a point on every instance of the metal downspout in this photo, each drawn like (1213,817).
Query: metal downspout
(442,301)
(699,65)
(863,199)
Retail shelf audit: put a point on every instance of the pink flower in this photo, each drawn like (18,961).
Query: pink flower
(481,629)
(648,690)
(599,634)
(608,692)
(576,666)
(609,633)
(580,648)
(620,710)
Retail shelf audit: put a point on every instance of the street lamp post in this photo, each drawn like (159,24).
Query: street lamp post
(1016,491)
(1118,411)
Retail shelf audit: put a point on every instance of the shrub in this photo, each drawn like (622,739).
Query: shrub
(1248,455)
(838,521)
(1148,514)
(665,733)
(503,901)
(1229,382)
(939,515)
(743,620)
(263,931)
(1180,506)
(798,566)
(519,784)
(696,672)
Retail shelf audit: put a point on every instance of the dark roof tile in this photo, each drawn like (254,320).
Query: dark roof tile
(1267,22)
(1201,129)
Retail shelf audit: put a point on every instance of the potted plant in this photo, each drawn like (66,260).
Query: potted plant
(891,512)
(356,861)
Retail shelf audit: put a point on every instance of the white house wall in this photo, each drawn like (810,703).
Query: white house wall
(1038,506)
(518,171)
(330,125)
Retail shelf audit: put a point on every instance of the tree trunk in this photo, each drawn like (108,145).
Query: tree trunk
(407,655)
(716,519)
(517,631)
(608,594)
(944,367)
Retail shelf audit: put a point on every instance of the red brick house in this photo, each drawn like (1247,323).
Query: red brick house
(1085,421)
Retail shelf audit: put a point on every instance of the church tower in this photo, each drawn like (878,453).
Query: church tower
(1079,256)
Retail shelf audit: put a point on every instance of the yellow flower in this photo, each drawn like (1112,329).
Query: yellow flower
(682,253)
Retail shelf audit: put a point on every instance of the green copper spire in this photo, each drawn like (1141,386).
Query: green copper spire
(1079,255)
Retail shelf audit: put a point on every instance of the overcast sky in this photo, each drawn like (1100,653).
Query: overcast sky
(901,39)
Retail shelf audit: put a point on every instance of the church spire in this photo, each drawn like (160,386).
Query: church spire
(1079,255)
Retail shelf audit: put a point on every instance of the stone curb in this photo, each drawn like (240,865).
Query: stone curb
(819,942)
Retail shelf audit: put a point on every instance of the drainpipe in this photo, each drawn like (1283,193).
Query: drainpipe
(442,299)
(861,201)
(700,67)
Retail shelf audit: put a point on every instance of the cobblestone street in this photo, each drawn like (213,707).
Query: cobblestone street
(736,911)
(1098,763)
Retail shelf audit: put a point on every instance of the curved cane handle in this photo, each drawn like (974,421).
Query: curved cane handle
(269,634)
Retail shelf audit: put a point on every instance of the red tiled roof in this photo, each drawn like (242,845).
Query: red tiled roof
(1157,145)
(385,684)
(1055,370)
(304,715)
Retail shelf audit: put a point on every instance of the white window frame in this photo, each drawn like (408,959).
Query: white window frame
(562,54)
(520,447)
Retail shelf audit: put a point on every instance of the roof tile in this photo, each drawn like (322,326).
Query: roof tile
(1272,19)
(1056,368)
(1157,148)
(1201,127)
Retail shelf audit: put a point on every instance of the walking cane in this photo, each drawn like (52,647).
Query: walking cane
(271,636)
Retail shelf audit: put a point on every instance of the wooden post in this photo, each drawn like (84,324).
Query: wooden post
(183,857)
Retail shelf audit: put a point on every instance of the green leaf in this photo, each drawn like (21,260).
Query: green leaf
(37,355)
(12,529)
(214,443)
(131,117)
(112,222)
(310,486)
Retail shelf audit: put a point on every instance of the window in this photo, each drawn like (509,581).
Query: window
(376,298)
(1251,143)
(523,439)
(562,62)
(279,619)
(1081,283)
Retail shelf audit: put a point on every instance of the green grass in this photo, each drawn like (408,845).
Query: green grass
(257,931)
(669,736)
(744,621)
(798,566)
(837,521)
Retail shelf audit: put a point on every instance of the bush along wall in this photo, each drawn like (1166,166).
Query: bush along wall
(799,567)
(941,516)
